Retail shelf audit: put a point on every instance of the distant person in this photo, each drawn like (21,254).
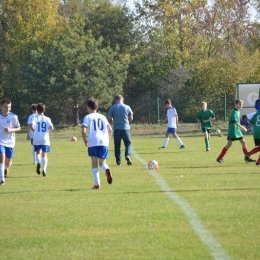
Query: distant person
(255,121)
(172,118)
(244,122)
(9,125)
(99,134)
(205,118)
(120,115)
(257,104)
(234,132)
(41,126)
(30,131)
(249,117)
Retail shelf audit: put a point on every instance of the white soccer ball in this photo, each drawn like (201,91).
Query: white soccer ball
(218,131)
(153,165)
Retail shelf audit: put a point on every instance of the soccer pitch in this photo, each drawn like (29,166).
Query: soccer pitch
(190,208)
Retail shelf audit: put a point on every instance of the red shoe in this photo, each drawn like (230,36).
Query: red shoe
(96,187)
(109,176)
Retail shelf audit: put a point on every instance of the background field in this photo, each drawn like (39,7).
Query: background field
(60,217)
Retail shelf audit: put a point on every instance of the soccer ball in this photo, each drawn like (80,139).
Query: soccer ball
(73,139)
(218,131)
(153,165)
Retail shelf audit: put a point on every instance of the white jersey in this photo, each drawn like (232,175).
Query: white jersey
(10,120)
(29,122)
(41,126)
(171,115)
(97,129)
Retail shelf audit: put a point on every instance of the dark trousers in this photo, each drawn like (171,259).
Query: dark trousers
(125,135)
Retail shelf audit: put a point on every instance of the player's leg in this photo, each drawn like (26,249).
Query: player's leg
(9,152)
(253,151)
(45,150)
(166,140)
(33,153)
(102,156)
(224,151)
(177,138)
(206,138)
(2,165)
(117,145)
(93,153)
(37,149)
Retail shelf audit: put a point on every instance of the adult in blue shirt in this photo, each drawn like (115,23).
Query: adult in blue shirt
(257,104)
(120,115)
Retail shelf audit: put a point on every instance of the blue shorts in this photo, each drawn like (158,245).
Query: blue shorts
(44,148)
(8,151)
(98,151)
(171,130)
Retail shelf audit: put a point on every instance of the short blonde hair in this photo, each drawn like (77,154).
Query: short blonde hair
(203,103)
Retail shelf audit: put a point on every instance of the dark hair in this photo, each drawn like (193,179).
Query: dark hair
(34,107)
(119,97)
(167,102)
(92,103)
(40,108)
(5,101)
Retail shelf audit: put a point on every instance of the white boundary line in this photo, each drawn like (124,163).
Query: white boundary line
(215,248)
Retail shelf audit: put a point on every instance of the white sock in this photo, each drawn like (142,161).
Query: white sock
(33,154)
(95,174)
(44,163)
(166,140)
(38,158)
(179,140)
(2,172)
(104,166)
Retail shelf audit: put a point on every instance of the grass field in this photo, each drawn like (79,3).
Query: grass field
(190,208)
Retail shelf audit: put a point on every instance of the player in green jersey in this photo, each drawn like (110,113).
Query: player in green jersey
(234,132)
(205,118)
(255,121)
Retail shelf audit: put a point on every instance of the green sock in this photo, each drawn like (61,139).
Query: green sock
(207,142)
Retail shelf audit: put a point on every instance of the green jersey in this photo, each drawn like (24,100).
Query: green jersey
(205,115)
(256,121)
(234,131)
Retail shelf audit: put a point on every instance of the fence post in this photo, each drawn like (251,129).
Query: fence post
(158,110)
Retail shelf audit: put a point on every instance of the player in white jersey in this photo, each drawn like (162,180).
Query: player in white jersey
(99,133)
(41,126)
(172,118)
(29,130)
(9,124)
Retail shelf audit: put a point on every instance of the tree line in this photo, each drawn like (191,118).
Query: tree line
(63,52)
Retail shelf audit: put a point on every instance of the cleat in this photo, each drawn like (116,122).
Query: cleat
(163,147)
(109,176)
(2,183)
(248,159)
(207,149)
(96,187)
(182,146)
(6,172)
(38,168)
(43,173)
(220,160)
(257,163)
(128,159)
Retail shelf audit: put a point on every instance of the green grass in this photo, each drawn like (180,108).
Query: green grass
(60,217)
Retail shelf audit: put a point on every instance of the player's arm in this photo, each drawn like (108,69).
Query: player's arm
(84,135)
(164,121)
(241,127)
(110,131)
(12,129)
(110,119)
(51,128)
(130,118)
(28,132)
(177,121)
